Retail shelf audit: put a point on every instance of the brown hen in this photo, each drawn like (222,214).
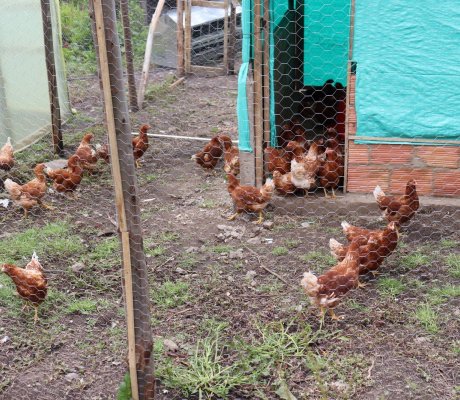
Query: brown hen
(67,180)
(6,156)
(140,144)
(210,155)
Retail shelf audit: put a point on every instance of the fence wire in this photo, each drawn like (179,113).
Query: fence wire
(274,248)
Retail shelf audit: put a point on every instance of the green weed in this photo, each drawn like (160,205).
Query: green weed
(319,259)
(170,294)
(391,287)
(221,249)
(280,251)
(83,306)
(415,260)
(292,243)
(453,262)
(440,295)
(449,244)
(428,318)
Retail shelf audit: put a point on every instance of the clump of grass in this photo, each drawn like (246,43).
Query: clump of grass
(53,240)
(449,244)
(453,262)
(428,318)
(391,287)
(415,260)
(170,294)
(168,236)
(292,243)
(160,90)
(280,251)
(208,204)
(440,295)
(208,373)
(155,251)
(221,249)
(319,259)
(82,306)
(105,250)
(188,261)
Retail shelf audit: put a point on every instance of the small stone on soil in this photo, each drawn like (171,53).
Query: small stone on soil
(254,240)
(77,267)
(192,250)
(170,345)
(268,224)
(250,275)
(236,254)
(71,377)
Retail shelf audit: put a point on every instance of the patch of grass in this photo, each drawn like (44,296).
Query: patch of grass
(221,249)
(270,287)
(284,226)
(214,130)
(449,244)
(280,251)
(292,243)
(188,260)
(82,306)
(428,318)
(208,373)
(319,259)
(415,260)
(169,236)
(453,262)
(170,294)
(208,204)
(160,90)
(391,287)
(148,178)
(155,251)
(53,240)
(441,295)
(105,250)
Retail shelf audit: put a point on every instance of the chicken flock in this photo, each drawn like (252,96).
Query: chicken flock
(298,165)
(301,165)
(31,282)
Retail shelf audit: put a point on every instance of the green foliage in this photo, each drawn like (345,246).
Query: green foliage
(170,294)
(453,262)
(280,251)
(82,306)
(124,391)
(428,318)
(108,249)
(53,240)
(415,260)
(440,295)
(221,249)
(391,287)
(319,259)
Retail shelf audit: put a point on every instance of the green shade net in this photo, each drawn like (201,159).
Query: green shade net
(326,33)
(408,69)
(24,98)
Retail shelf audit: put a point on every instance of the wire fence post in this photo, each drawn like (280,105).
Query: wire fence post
(126,199)
(52,78)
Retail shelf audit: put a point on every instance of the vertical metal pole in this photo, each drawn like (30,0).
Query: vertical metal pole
(226,5)
(232,40)
(127,204)
(266,75)
(52,78)
(188,36)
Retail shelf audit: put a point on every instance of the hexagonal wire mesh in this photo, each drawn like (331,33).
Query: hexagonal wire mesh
(299,140)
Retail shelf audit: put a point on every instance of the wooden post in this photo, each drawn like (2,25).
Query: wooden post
(52,79)
(127,204)
(188,36)
(124,7)
(258,100)
(347,99)
(266,77)
(232,40)
(148,53)
(226,5)
(180,38)
(96,46)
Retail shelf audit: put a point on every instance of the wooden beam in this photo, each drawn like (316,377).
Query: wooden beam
(225,60)
(399,139)
(148,53)
(258,98)
(188,36)
(266,78)
(124,7)
(180,38)
(205,3)
(207,70)
(140,340)
(232,41)
(55,108)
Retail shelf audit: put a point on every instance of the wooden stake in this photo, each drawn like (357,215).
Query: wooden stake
(226,5)
(232,40)
(258,106)
(188,36)
(128,211)
(266,78)
(124,7)
(52,78)
(148,53)
(180,38)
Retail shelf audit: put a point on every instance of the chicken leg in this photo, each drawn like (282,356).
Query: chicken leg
(46,206)
(361,284)
(232,217)
(260,220)
(36,314)
(138,164)
(333,315)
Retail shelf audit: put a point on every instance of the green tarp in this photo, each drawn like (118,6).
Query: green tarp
(408,69)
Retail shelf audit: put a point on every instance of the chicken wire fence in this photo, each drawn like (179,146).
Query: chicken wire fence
(255,203)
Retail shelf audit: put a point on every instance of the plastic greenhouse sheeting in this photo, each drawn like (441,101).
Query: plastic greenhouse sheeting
(24,99)
(408,69)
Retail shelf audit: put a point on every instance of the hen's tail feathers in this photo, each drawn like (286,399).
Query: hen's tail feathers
(345,226)
(378,193)
(12,188)
(194,157)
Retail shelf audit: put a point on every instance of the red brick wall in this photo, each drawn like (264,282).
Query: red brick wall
(436,168)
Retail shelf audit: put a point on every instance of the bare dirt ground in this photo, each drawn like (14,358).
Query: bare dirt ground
(226,293)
